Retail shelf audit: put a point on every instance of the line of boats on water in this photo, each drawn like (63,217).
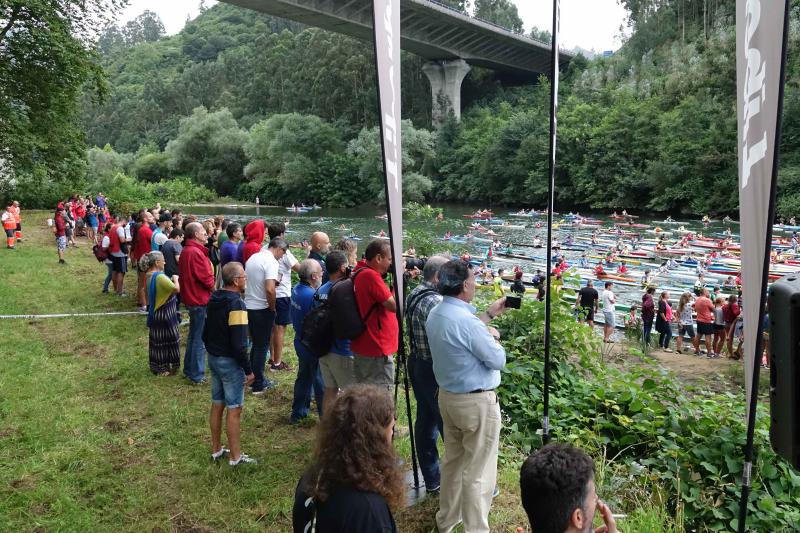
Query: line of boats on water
(676,256)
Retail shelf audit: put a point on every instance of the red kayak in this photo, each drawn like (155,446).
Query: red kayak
(631,225)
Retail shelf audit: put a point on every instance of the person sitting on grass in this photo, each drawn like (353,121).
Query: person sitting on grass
(558,492)
(225,338)
(355,481)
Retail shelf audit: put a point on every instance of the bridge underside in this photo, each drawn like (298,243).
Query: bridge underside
(448,38)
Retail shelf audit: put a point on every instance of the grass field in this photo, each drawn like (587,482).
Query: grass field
(90,440)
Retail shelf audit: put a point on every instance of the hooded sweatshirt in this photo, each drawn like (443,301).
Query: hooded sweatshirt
(253,237)
(196,274)
(225,330)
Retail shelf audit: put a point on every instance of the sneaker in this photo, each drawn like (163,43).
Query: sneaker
(243,459)
(216,456)
(495,492)
(184,323)
(268,384)
(433,490)
(712,355)
(143,309)
(679,351)
(668,350)
(201,382)
(280,366)
(62,262)
(123,294)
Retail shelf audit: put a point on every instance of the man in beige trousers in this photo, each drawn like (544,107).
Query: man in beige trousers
(467,359)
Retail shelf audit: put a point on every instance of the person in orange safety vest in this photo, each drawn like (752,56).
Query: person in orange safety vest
(9,225)
(18,217)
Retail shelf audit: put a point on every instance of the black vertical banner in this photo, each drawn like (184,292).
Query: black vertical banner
(550,202)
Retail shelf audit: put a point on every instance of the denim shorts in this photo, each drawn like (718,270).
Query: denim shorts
(227,381)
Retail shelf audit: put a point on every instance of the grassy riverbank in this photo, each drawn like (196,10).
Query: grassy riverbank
(91,441)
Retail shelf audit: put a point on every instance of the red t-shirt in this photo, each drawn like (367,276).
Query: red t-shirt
(142,244)
(705,309)
(381,336)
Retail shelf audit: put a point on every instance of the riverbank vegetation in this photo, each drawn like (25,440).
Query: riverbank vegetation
(91,440)
(251,105)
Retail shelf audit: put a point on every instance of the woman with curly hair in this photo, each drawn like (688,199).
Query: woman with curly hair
(355,482)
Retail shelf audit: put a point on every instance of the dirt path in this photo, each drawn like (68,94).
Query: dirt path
(720,374)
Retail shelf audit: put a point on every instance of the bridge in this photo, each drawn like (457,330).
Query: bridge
(449,39)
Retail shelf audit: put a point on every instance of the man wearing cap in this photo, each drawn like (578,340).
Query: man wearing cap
(161,233)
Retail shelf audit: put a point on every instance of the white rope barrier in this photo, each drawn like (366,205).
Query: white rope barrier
(69,315)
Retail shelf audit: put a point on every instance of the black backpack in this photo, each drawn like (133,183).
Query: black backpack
(345,316)
(317,333)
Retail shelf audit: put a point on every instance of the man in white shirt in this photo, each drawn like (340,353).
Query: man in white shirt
(283,300)
(259,297)
(609,301)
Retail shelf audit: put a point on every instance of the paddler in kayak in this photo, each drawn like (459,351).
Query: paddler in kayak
(598,270)
(623,269)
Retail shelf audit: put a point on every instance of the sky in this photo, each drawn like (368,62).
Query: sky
(590,24)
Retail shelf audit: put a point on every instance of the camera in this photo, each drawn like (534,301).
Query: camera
(513,302)
(415,262)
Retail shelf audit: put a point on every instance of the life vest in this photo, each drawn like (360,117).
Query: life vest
(114,244)
(15,210)
(9,222)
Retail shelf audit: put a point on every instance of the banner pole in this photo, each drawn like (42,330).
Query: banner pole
(389,119)
(550,203)
(753,403)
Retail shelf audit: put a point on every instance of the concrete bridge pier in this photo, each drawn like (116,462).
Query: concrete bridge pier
(446,78)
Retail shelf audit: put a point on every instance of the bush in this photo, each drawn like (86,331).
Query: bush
(689,446)
(127,194)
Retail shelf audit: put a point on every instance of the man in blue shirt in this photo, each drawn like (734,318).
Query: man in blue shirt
(467,359)
(308,376)
(336,367)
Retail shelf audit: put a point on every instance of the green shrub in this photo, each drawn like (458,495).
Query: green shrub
(128,194)
(691,446)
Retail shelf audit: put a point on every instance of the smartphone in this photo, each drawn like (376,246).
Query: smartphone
(513,302)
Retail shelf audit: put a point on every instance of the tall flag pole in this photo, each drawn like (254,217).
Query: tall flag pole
(760,74)
(550,202)
(386,25)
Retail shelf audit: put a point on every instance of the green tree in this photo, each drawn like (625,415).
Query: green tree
(209,148)
(146,28)
(418,153)
(46,59)
(286,152)
(501,12)
(105,163)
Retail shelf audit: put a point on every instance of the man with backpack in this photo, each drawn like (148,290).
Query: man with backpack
(375,346)
(428,424)
(336,366)
(308,375)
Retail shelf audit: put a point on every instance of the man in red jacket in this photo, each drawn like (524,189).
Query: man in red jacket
(197,281)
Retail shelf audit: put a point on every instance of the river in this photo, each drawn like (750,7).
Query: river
(363,222)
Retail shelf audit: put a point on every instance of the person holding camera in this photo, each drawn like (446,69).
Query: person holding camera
(467,359)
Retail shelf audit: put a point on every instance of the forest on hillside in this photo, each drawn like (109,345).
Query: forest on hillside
(246,104)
